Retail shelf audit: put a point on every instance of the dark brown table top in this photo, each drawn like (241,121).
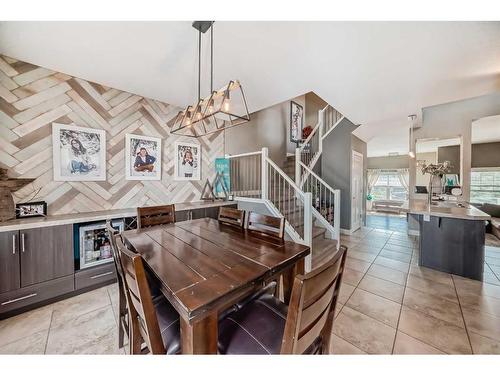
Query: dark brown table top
(201,263)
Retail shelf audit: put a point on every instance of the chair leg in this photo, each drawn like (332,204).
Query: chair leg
(122,315)
(121,333)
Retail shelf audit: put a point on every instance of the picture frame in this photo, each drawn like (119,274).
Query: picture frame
(296,121)
(31,209)
(142,157)
(79,153)
(187,161)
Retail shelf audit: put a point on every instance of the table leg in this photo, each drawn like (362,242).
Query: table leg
(199,337)
(288,277)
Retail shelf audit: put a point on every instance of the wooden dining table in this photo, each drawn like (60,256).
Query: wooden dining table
(204,267)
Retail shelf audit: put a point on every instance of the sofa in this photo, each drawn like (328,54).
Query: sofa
(494,211)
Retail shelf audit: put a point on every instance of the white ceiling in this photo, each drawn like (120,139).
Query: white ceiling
(376,73)
(486,129)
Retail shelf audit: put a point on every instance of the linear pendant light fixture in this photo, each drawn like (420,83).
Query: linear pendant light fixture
(222,109)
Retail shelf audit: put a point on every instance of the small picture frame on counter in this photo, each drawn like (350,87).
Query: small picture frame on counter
(230,197)
(31,209)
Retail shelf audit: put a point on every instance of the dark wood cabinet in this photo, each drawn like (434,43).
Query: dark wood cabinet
(46,254)
(9,262)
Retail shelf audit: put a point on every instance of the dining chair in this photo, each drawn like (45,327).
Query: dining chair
(232,216)
(156,215)
(265,325)
(154,321)
(267,225)
(123,317)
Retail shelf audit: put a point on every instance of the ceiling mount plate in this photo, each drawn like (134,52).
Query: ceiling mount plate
(202,26)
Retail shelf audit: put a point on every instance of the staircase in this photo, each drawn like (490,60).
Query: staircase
(311,207)
(323,248)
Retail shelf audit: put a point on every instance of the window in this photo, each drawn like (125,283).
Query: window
(485,186)
(388,187)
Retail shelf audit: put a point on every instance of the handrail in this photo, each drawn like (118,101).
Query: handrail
(285,177)
(310,171)
(228,156)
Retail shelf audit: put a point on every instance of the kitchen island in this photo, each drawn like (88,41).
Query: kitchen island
(452,237)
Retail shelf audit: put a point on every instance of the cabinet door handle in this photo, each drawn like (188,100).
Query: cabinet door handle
(14,244)
(22,242)
(18,299)
(101,275)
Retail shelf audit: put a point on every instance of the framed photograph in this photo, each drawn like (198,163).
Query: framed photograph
(79,153)
(296,121)
(142,157)
(31,209)
(187,161)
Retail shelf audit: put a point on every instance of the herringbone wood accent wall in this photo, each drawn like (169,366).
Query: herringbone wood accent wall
(32,98)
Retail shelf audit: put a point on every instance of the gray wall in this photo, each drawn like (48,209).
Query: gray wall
(451,154)
(388,162)
(267,128)
(336,165)
(313,105)
(486,155)
(451,120)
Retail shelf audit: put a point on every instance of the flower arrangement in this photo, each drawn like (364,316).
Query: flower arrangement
(438,169)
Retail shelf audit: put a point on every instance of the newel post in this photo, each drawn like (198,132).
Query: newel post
(265,172)
(308,228)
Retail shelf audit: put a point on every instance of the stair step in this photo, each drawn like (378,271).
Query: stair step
(323,249)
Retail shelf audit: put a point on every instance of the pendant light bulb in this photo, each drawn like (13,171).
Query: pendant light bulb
(226,105)
(211,105)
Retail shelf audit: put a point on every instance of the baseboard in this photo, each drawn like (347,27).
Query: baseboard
(347,231)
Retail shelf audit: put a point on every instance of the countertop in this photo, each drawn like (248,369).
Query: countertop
(447,209)
(51,220)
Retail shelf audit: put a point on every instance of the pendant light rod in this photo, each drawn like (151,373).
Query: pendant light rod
(212,58)
(199,65)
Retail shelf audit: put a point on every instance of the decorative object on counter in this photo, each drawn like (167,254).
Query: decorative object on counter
(187,161)
(142,157)
(212,193)
(222,109)
(79,153)
(7,186)
(296,122)
(31,209)
(437,171)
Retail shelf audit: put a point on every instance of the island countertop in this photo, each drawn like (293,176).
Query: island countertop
(447,209)
(51,220)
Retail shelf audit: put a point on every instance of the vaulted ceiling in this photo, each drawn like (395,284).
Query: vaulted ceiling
(376,73)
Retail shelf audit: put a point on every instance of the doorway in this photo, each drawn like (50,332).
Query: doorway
(356,190)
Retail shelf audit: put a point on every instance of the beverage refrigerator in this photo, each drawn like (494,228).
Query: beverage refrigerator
(92,244)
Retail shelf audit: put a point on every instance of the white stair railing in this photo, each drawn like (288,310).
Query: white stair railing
(311,149)
(278,191)
(325,202)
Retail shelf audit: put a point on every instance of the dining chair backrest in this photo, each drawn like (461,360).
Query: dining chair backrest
(156,215)
(312,306)
(267,225)
(114,235)
(142,311)
(232,216)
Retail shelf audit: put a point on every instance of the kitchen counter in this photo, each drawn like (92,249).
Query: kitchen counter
(451,237)
(448,209)
(52,220)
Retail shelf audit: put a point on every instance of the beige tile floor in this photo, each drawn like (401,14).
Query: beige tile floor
(85,324)
(387,305)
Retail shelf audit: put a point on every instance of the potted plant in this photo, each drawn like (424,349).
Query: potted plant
(369,202)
